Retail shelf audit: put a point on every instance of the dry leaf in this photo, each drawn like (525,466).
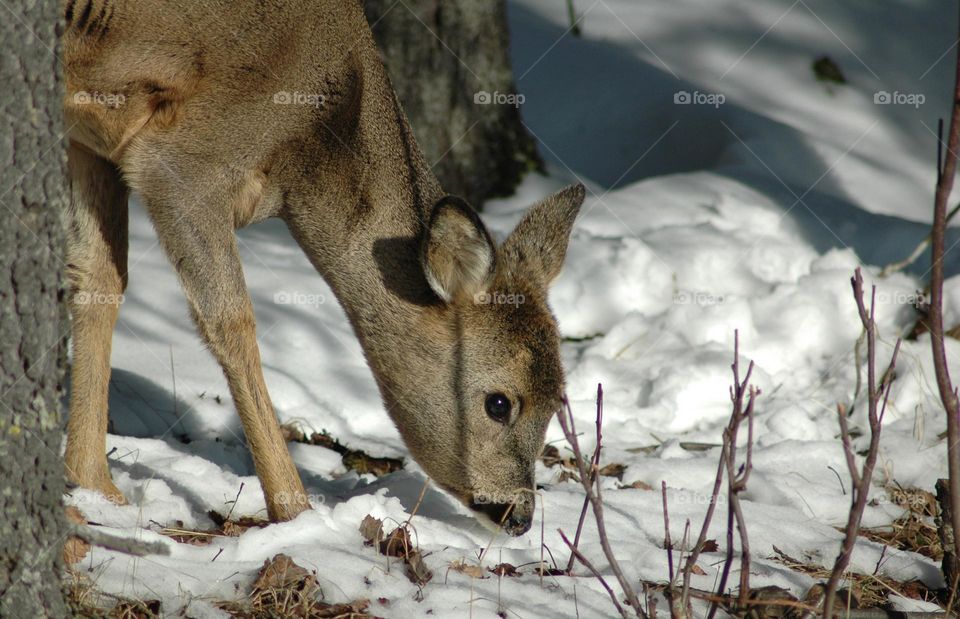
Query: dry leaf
(637,485)
(282,573)
(417,570)
(371,529)
(696,569)
(550,456)
(613,469)
(504,569)
(473,571)
(397,543)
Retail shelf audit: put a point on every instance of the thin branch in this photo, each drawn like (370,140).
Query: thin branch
(702,539)
(737,480)
(861,483)
(667,544)
(847,448)
(738,485)
(586,563)
(948,394)
(135,547)
(565,416)
(594,468)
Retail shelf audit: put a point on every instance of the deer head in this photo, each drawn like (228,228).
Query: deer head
(474,410)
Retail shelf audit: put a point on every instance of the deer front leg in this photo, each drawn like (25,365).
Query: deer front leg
(97,277)
(202,247)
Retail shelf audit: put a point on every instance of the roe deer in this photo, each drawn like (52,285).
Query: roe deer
(222,113)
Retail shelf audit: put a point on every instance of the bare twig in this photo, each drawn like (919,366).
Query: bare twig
(594,472)
(586,563)
(737,480)
(565,416)
(667,544)
(135,547)
(948,394)
(702,539)
(676,611)
(861,479)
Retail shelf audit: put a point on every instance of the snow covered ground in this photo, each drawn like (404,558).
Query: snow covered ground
(746,208)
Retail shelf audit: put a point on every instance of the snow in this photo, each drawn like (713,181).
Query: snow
(700,220)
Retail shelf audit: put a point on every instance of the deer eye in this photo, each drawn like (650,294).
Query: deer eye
(498,407)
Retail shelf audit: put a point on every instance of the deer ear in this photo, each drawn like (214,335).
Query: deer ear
(538,244)
(458,254)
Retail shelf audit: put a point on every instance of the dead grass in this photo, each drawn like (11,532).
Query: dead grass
(914,530)
(85,600)
(868,590)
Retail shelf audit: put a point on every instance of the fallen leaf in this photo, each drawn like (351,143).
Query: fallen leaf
(417,570)
(282,573)
(473,571)
(550,456)
(504,569)
(371,529)
(614,469)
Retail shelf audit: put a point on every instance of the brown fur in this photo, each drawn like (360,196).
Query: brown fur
(182,101)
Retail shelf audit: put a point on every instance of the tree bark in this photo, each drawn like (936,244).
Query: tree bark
(449,62)
(33,323)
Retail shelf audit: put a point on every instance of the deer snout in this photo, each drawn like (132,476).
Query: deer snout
(515,518)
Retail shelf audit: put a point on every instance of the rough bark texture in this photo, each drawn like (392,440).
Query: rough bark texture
(32,318)
(448,60)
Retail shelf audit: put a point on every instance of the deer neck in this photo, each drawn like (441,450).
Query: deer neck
(361,225)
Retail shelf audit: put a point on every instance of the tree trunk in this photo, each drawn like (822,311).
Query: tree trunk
(449,62)
(32,316)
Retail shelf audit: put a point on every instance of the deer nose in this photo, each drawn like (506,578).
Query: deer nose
(514,519)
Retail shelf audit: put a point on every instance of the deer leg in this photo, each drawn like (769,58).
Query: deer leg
(202,248)
(97,277)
